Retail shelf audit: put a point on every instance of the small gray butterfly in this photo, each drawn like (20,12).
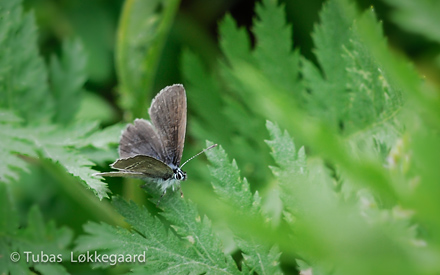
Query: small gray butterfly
(152,151)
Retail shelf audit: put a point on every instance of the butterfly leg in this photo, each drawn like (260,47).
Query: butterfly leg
(181,192)
(163,194)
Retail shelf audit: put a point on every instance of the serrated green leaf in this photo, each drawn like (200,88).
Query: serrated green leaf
(234,42)
(197,230)
(70,135)
(36,238)
(330,36)
(67,75)
(104,138)
(165,252)
(354,92)
(58,144)
(257,258)
(292,171)
(284,151)
(219,118)
(23,76)
(311,199)
(78,166)
(227,182)
(229,186)
(280,65)
(13,142)
(399,71)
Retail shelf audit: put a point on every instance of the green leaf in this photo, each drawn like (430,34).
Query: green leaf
(24,92)
(36,238)
(330,36)
(104,138)
(14,141)
(220,118)
(325,222)
(226,179)
(259,260)
(236,192)
(142,34)
(399,71)
(165,252)
(271,32)
(67,79)
(419,17)
(59,145)
(292,167)
(78,166)
(355,92)
(23,76)
(234,42)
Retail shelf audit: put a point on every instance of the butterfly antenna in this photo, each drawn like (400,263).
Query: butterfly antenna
(203,151)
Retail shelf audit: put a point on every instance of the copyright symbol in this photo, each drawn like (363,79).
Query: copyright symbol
(15,257)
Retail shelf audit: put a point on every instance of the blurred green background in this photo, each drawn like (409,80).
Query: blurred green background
(195,30)
(95,23)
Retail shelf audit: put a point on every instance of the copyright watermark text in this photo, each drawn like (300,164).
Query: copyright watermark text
(87,257)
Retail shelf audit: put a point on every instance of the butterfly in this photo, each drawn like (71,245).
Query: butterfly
(152,151)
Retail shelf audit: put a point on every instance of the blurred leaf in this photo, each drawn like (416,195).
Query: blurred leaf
(34,240)
(14,140)
(400,72)
(104,138)
(340,234)
(354,92)
(23,75)
(67,79)
(236,192)
(95,108)
(98,37)
(420,17)
(57,142)
(143,30)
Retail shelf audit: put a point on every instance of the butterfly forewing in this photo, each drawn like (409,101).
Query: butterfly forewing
(168,115)
(140,138)
(121,174)
(146,165)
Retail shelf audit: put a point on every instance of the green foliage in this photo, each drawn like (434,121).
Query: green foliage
(356,193)
(31,240)
(25,93)
(420,18)
(230,188)
(67,78)
(56,143)
(23,77)
(191,248)
(141,38)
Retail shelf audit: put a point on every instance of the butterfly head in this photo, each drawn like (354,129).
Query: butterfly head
(179,174)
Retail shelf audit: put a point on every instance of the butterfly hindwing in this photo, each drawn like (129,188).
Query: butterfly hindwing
(140,138)
(168,115)
(148,166)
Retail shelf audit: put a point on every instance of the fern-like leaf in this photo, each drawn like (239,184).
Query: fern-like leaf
(67,78)
(14,141)
(232,189)
(23,76)
(165,252)
(30,241)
